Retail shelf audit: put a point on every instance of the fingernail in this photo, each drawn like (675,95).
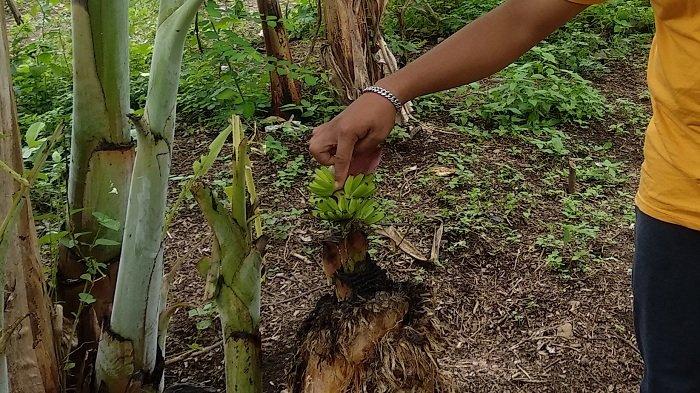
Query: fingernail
(338,185)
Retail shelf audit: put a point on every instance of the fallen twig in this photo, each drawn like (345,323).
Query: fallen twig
(293,298)
(437,239)
(192,353)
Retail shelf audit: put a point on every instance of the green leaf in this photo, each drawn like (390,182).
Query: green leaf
(32,136)
(225,94)
(86,298)
(310,80)
(67,242)
(52,237)
(107,221)
(106,242)
(204,324)
(202,166)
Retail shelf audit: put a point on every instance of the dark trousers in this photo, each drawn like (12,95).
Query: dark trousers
(666,281)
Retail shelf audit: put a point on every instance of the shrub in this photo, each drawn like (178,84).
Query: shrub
(537,93)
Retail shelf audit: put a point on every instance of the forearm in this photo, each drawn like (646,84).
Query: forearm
(482,48)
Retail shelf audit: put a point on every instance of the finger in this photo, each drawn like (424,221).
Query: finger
(368,145)
(368,152)
(342,159)
(323,157)
(365,163)
(320,148)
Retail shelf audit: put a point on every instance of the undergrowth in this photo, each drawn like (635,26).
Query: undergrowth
(536,101)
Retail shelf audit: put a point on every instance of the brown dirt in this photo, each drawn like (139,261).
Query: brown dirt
(513,324)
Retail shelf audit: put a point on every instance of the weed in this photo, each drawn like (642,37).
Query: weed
(203,315)
(288,176)
(537,94)
(398,134)
(277,151)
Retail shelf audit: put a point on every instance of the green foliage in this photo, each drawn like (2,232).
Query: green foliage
(41,60)
(288,175)
(354,202)
(537,93)
(302,19)
(568,245)
(433,18)
(579,51)
(225,72)
(277,151)
(204,315)
(439,18)
(398,134)
(620,17)
(634,117)
(42,72)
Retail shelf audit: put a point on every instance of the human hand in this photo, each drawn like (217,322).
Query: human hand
(351,142)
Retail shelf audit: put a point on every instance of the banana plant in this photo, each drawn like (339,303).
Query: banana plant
(129,357)
(101,162)
(351,208)
(28,356)
(376,335)
(233,271)
(38,362)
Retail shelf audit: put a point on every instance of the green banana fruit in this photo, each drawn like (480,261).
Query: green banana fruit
(352,202)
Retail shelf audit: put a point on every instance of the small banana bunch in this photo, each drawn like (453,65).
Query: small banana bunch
(352,202)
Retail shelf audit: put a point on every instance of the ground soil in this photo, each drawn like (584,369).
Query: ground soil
(512,323)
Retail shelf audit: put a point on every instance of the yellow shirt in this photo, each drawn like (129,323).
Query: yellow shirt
(669,188)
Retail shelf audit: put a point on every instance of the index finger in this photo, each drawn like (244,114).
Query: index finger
(342,158)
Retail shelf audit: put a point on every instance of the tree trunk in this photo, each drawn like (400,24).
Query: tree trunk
(355,49)
(32,360)
(129,358)
(284,90)
(102,156)
(233,276)
(15,11)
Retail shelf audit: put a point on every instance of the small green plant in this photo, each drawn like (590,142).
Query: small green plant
(397,135)
(274,148)
(569,246)
(287,176)
(204,315)
(354,202)
(538,93)
(552,143)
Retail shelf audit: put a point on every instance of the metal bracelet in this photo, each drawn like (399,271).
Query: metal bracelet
(386,94)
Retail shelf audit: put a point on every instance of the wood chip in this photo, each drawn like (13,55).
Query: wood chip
(565,330)
(437,239)
(443,171)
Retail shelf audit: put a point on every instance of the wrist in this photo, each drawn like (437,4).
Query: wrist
(397,87)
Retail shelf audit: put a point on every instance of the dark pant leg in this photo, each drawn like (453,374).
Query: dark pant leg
(666,281)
